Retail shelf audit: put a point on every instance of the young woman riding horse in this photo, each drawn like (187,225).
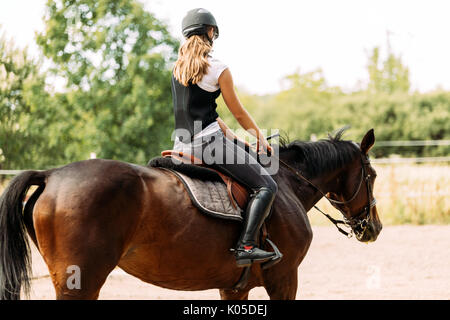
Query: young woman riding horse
(100,214)
(198,80)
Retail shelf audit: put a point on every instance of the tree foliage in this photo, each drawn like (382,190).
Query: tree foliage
(29,133)
(107,91)
(309,108)
(114,57)
(388,76)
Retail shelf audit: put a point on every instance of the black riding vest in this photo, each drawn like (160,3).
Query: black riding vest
(190,104)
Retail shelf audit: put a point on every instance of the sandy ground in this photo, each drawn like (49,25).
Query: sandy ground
(406,262)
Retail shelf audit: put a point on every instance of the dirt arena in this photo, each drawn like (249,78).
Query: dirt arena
(406,262)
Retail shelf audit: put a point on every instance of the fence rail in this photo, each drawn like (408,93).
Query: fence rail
(412,143)
(398,160)
(373,160)
(410,160)
(10,172)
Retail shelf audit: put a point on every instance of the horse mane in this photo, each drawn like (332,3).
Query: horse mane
(320,157)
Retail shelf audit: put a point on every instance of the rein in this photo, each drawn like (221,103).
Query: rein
(352,222)
(361,219)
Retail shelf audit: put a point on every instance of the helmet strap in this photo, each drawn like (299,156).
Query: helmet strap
(210,40)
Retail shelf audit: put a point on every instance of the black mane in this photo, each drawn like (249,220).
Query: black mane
(315,158)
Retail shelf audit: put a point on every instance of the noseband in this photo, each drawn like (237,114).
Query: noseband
(359,222)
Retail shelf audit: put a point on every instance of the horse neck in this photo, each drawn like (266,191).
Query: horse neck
(321,163)
(310,195)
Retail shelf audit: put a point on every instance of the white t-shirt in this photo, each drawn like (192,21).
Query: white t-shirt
(210,81)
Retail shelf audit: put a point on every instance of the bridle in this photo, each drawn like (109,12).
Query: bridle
(357,223)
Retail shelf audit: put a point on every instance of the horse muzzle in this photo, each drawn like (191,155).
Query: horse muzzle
(368,230)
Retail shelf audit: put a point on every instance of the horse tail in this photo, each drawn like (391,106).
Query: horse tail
(15,255)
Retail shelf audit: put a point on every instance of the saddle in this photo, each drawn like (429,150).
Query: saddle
(189,165)
(186,165)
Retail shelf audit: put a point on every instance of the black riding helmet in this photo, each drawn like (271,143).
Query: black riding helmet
(196,22)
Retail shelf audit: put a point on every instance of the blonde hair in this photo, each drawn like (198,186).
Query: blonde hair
(192,63)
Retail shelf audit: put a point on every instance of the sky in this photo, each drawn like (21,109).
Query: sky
(262,41)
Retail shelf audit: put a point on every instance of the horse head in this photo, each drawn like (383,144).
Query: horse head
(354,194)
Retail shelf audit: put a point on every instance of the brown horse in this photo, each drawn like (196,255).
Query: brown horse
(94,215)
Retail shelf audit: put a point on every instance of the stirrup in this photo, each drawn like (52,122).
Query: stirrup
(275,259)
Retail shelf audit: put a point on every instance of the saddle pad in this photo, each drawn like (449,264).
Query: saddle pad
(210,197)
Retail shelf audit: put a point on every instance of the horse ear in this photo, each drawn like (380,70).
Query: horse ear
(368,141)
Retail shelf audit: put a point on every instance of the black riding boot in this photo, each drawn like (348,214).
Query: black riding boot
(257,210)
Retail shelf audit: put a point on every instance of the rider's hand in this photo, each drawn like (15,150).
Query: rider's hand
(264,146)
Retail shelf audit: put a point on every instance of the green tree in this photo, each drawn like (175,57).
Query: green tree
(27,112)
(115,59)
(388,76)
(310,107)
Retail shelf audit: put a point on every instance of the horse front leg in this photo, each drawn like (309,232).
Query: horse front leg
(228,294)
(281,286)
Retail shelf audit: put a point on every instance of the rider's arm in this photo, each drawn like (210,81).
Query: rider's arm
(226,130)
(237,109)
(228,133)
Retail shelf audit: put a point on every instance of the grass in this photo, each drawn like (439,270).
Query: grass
(406,194)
